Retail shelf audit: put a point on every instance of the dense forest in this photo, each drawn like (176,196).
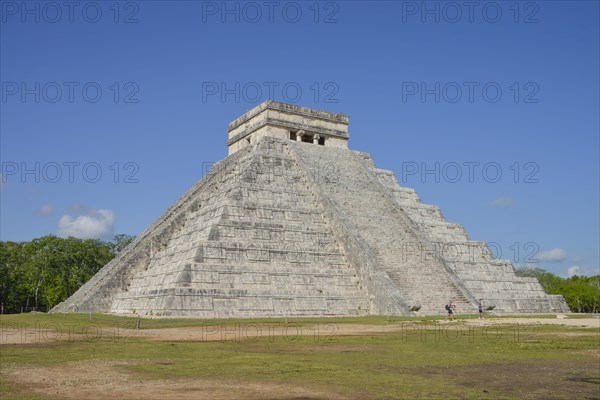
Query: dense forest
(582,293)
(39,274)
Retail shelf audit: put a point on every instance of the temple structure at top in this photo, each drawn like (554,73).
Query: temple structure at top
(287,121)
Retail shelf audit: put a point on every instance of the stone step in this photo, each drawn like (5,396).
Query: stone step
(377,222)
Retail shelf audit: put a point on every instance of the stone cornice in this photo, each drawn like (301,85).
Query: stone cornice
(290,109)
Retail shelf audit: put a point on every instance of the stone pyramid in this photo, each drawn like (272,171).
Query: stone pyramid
(293,223)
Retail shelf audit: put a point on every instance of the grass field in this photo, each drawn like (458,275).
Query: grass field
(68,356)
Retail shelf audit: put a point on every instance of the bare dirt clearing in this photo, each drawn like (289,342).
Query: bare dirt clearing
(236,332)
(231,331)
(107,379)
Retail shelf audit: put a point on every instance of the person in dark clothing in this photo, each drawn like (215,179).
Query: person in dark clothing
(450,307)
(480,308)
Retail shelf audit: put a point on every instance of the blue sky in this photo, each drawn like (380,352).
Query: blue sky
(141,92)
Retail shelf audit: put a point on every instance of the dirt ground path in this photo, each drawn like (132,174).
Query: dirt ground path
(232,331)
(581,322)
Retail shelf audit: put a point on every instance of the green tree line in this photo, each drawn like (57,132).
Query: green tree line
(39,274)
(582,293)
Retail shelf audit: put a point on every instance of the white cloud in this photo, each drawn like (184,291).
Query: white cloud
(91,225)
(45,210)
(574,270)
(582,270)
(502,202)
(553,255)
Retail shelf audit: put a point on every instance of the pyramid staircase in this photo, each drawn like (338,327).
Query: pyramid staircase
(293,223)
